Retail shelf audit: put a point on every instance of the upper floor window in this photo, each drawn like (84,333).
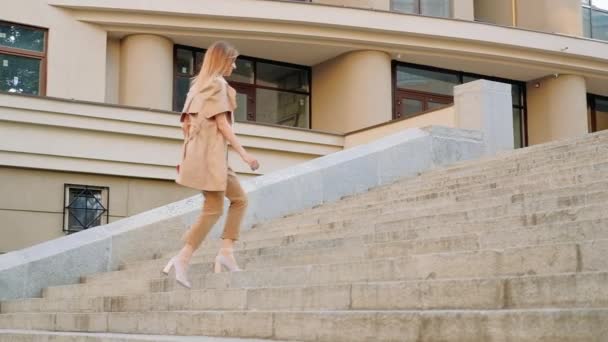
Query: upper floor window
(418,89)
(595,19)
(23,51)
(434,8)
(267,91)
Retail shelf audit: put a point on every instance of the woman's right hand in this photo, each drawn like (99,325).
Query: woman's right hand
(251,161)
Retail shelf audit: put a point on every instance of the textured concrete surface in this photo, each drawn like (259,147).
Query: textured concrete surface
(63,261)
(506,248)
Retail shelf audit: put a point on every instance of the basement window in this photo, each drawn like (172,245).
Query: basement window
(85,207)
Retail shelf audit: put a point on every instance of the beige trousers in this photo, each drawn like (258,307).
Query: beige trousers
(213,208)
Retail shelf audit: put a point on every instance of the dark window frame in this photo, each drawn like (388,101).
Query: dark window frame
(66,206)
(42,56)
(253,85)
(591,104)
(522,107)
(419,9)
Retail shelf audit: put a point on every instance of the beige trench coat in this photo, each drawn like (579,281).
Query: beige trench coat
(204,164)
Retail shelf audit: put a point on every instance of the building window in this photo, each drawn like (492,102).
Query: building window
(419,88)
(267,91)
(85,207)
(598,112)
(434,8)
(23,51)
(595,19)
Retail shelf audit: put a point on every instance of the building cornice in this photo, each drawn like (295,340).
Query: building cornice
(418,38)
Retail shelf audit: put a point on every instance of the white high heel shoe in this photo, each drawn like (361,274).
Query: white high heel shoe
(181,272)
(226,261)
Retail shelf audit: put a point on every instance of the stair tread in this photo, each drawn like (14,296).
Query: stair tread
(129,337)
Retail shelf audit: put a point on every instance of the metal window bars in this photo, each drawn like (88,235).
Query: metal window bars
(84,207)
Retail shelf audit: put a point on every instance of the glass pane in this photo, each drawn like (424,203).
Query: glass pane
(516,94)
(182,86)
(517,127)
(406,6)
(467,79)
(586,2)
(94,203)
(426,81)
(599,25)
(198,63)
(19,37)
(587,22)
(436,8)
(240,114)
(601,114)
(243,72)
(435,105)
(77,201)
(76,218)
(282,77)
(410,107)
(19,74)
(603,4)
(185,62)
(282,108)
(93,218)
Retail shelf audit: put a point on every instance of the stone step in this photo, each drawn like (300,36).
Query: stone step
(338,326)
(588,158)
(428,179)
(580,290)
(391,238)
(530,260)
(499,216)
(357,249)
(48,336)
(376,242)
(563,150)
(529,200)
(558,258)
(543,182)
(139,281)
(392,241)
(519,197)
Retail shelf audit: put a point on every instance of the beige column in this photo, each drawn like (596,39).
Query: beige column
(558,16)
(557,108)
(146,71)
(463,9)
(352,91)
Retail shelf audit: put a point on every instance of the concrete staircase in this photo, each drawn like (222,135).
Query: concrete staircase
(509,248)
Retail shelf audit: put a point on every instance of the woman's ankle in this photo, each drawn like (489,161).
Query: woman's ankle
(185,254)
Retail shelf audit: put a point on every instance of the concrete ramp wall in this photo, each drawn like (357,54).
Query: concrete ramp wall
(62,261)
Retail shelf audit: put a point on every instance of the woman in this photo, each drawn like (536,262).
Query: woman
(207,120)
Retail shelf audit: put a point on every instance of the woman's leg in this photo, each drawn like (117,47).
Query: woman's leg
(212,210)
(238,205)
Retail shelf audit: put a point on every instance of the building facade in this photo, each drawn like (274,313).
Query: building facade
(89,89)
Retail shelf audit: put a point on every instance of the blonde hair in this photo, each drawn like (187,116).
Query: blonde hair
(218,58)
